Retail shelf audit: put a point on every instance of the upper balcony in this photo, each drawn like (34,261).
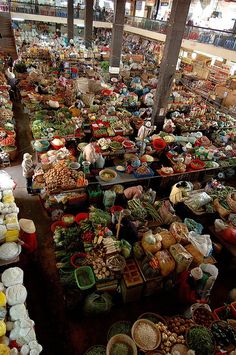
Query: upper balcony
(209,41)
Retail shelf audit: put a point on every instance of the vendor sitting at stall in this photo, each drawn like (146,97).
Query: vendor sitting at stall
(188,284)
(28,238)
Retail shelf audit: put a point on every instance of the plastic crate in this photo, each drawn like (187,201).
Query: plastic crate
(84,277)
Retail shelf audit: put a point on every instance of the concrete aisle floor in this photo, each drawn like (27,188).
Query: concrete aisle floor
(60,332)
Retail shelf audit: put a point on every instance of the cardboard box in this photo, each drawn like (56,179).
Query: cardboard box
(152,285)
(230,99)
(232,84)
(221,91)
(132,282)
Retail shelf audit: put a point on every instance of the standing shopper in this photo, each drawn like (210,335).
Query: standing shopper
(28,170)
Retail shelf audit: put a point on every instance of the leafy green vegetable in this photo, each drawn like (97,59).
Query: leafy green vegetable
(98,216)
(200,340)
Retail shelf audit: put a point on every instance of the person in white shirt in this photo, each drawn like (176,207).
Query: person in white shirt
(28,170)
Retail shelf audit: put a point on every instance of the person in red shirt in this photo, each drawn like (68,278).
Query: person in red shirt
(187,286)
(28,238)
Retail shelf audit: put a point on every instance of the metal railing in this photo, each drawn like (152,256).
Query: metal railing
(48,10)
(224,39)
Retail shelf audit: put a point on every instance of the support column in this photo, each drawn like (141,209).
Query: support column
(88,23)
(70,19)
(175,32)
(117,36)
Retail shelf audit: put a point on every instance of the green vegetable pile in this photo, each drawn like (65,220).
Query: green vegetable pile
(68,239)
(137,209)
(59,122)
(200,340)
(99,217)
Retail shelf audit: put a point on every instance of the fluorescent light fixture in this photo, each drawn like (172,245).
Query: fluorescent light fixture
(17,19)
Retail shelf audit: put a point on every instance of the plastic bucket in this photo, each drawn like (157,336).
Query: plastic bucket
(57,224)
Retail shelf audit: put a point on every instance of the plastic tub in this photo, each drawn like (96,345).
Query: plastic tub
(84,277)
(57,224)
(68,219)
(81,216)
(233,309)
(44,148)
(217,311)
(57,147)
(80,256)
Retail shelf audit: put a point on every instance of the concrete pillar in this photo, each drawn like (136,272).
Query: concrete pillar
(132,7)
(234,27)
(117,36)
(88,23)
(70,19)
(175,31)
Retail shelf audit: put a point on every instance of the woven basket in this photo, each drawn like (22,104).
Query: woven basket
(151,316)
(134,333)
(124,339)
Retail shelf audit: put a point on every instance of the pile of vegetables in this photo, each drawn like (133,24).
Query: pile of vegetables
(67,239)
(60,177)
(99,217)
(200,340)
(224,334)
(168,338)
(203,316)
(52,123)
(137,210)
(179,325)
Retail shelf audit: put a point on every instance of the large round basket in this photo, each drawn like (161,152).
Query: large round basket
(120,327)
(96,350)
(121,340)
(146,335)
(153,317)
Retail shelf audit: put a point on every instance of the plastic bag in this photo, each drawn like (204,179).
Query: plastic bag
(6,181)
(166,261)
(12,276)
(202,242)
(220,225)
(126,248)
(193,225)
(180,232)
(167,238)
(97,303)
(18,311)
(16,294)
(199,200)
